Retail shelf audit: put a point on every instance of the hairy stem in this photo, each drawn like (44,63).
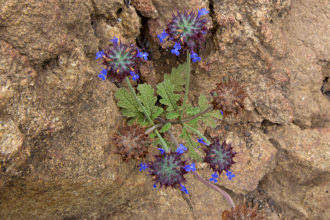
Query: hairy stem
(223,193)
(198,133)
(147,116)
(187,85)
(193,117)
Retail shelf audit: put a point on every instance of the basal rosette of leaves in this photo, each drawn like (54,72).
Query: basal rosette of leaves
(219,156)
(168,169)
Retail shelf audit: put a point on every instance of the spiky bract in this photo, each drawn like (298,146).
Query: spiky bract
(131,142)
(120,59)
(244,212)
(228,97)
(168,169)
(188,29)
(219,156)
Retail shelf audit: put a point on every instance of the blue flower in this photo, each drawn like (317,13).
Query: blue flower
(177,46)
(230,175)
(221,112)
(99,54)
(200,140)
(143,166)
(181,149)
(142,55)
(202,12)
(102,76)
(134,76)
(176,52)
(155,185)
(184,189)
(114,40)
(214,177)
(162,36)
(161,150)
(190,168)
(194,56)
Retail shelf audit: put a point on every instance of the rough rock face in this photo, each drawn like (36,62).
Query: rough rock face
(57,118)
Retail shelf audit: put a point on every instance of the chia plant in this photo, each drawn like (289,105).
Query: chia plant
(157,111)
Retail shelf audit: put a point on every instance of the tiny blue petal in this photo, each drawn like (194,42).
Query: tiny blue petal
(139,54)
(135,77)
(177,46)
(200,140)
(176,52)
(145,56)
(184,189)
(181,149)
(99,55)
(161,39)
(104,72)
(190,168)
(132,73)
(202,12)
(102,76)
(164,34)
(143,166)
(221,112)
(155,185)
(115,40)
(161,150)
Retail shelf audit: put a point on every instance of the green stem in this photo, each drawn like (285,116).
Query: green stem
(145,113)
(187,85)
(198,133)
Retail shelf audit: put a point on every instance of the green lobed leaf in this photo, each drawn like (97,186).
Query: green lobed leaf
(177,77)
(130,107)
(172,115)
(191,145)
(192,110)
(148,99)
(165,127)
(166,90)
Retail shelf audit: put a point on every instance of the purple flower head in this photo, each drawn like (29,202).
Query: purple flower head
(219,156)
(168,169)
(121,59)
(181,149)
(190,168)
(188,28)
(202,12)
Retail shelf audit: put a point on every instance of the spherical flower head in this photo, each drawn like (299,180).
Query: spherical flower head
(219,156)
(131,142)
(187,28)
(228,97)
(168,169)
(120,59)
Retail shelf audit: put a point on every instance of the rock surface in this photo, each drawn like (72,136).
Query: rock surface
(57,118)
